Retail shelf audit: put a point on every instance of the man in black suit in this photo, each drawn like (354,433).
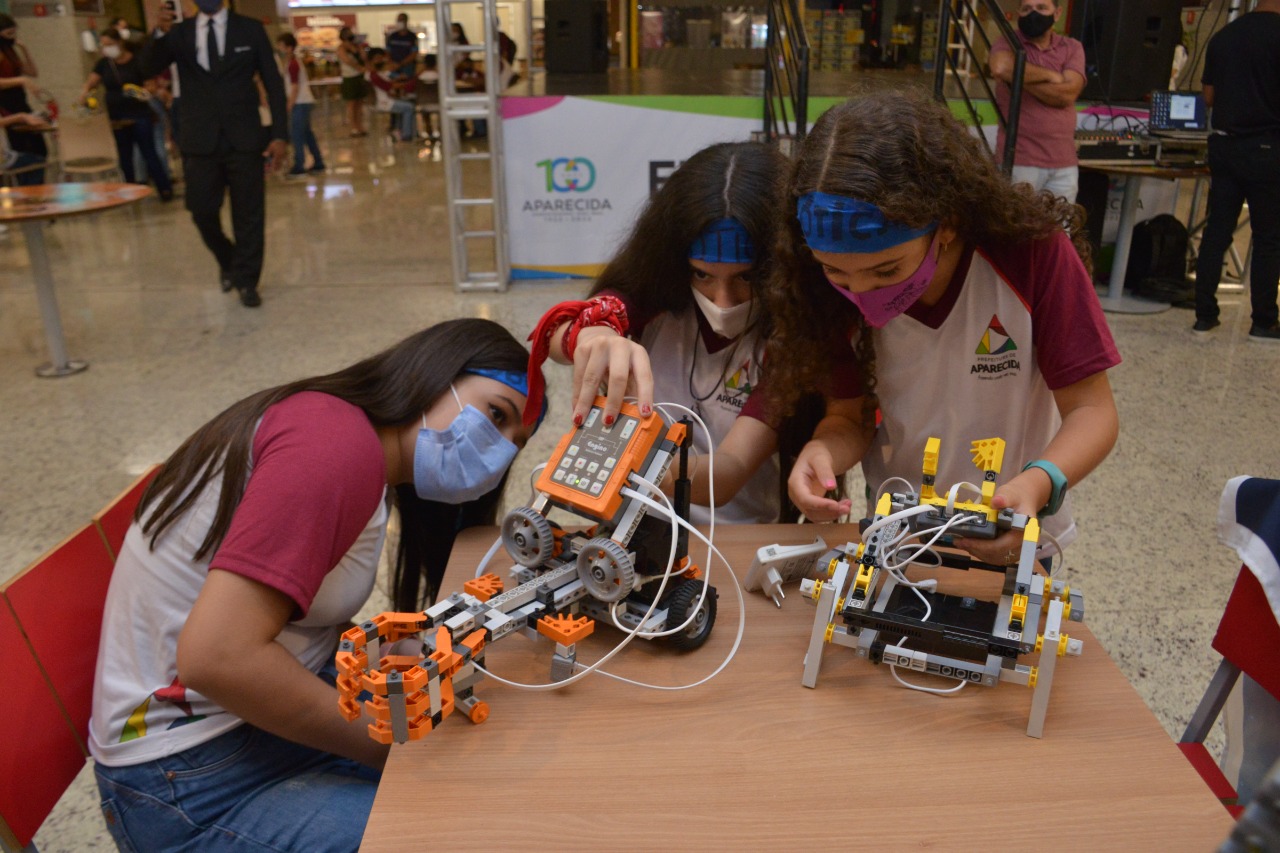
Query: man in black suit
(218,54)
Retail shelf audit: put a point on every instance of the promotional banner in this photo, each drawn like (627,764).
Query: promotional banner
(578,170)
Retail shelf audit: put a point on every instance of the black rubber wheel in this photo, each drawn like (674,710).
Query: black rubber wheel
(679,601)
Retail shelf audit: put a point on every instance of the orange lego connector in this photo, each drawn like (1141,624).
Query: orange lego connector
(566,629)
(484,587)
(676,433)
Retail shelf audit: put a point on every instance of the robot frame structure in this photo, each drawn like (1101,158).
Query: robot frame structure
(617,570)
(866,603)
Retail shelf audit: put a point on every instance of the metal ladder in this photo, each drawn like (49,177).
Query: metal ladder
(470,192)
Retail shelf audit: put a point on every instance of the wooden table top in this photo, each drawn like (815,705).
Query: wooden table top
(1169,173)
(754,760)
(49,201)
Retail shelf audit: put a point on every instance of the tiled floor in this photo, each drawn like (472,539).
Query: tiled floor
(359,258)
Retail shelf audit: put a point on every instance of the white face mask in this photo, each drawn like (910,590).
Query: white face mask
(110,51)
(725,322)
(124,33)
(402,26)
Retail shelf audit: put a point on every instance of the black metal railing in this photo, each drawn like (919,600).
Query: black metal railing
(948,59)
(786,74)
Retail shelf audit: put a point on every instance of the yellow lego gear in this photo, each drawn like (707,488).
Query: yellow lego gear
(829,633)
(1032,676)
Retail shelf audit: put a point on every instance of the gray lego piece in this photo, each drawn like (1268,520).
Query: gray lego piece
(825,615)
(1047,664)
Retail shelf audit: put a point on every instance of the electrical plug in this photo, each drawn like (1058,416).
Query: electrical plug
(775,565)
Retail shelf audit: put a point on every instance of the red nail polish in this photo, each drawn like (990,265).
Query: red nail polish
(608,420)
(646,411)
(577,420)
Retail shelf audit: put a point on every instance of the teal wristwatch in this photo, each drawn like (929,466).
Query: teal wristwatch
(1057,479)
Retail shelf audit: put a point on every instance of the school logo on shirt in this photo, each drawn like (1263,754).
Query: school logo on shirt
(996,355)
(737,387)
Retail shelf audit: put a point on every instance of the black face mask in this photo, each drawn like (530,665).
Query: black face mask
(1034,24)
(7,42)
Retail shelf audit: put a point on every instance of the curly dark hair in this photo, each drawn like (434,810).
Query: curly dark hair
(905,153)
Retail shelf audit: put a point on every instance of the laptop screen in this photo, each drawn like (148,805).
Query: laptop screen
(1178,111)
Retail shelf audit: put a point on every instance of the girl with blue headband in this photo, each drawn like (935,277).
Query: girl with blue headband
(677,316)
(252,549)
(970,314)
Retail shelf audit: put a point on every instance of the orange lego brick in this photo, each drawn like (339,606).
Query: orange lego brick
(399,663)
(483,587)
(676,433)
(566,629)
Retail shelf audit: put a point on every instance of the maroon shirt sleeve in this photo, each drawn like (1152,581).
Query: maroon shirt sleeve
(318,474)
(1075,58)
(1072,339)
(293,71)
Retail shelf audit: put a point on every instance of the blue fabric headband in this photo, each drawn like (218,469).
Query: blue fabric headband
(724,241)
(833,223)
(514,380)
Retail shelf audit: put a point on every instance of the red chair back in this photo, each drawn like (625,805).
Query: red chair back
(50,619)
(58,601)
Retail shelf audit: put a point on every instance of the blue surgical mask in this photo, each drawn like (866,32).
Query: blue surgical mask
(209,7)
(463,462)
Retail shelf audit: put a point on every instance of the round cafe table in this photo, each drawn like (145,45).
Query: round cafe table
(32,207)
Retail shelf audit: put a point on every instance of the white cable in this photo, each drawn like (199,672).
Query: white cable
(742,615)
(955,489)
(533,480)
(676,521)
(889,550)
(711,469)
(911,489)
(488,555)
(630,634)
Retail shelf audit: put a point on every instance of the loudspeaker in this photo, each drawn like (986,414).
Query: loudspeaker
(577,36)
(1128,46)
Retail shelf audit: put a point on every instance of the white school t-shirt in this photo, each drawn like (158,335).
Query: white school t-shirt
(716,385)
(311,525)
(1016,323)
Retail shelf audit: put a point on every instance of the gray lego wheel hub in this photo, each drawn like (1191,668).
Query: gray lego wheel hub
(527,536)
(606,570)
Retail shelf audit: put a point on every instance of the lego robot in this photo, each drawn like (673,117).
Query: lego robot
(564,581)
(867,604)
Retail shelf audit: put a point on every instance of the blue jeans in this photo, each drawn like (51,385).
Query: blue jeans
(303,138)
(246,790)
(404,112)
(141,133)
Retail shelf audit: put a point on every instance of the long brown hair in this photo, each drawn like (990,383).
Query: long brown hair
(743,180)
(393,389)
(906,154)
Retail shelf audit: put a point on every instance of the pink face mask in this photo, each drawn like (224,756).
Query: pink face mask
(882,305)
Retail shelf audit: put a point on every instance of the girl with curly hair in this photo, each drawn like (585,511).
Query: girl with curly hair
(677,316)
(970,314)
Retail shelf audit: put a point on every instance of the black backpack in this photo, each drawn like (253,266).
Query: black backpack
(1158,259)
